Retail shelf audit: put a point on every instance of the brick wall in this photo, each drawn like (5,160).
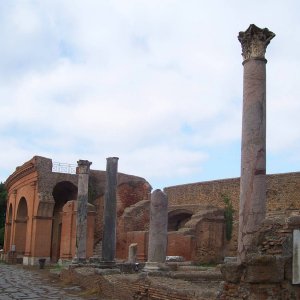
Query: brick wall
(283,192)
(283,196)
(131,286)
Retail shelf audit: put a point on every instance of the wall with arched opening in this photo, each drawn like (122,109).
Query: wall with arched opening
(177,219)
(21,226)
(62,193)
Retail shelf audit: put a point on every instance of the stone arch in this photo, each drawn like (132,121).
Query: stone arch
(21,226)
(62,192)
(177,219)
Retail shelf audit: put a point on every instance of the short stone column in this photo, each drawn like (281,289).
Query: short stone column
(132,253)
(110,213)
(158,231)
(82,210)
(254,42)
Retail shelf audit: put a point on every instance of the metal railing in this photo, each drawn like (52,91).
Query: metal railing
(63,168)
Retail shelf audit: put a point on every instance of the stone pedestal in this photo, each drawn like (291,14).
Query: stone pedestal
(132,253)
(82,209)
(158,231)
(254,42)
(110,213)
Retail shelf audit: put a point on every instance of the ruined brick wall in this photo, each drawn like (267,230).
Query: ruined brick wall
(283,196)
(283,192)
(130,286)
(131,190)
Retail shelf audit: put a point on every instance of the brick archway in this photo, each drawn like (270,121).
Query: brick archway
(63,192)
(177,218)
(21,226)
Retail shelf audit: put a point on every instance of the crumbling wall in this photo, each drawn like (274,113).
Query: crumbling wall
(266,272)
(283,196)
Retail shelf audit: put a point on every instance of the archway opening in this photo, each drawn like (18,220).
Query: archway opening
(177,219)
(62,193)
(21,227)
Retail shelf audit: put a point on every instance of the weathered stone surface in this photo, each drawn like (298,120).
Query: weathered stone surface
(107,271)
(264,269)
(255,41)
(253,161)
(293,221)
(110,211)
(296,256)
(174,259)
(132,252)
(82,204)
(232,271)
(158,233)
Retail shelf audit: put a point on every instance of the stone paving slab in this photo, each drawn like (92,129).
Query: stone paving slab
(23,284)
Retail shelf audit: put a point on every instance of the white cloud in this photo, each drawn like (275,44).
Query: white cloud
(143,80)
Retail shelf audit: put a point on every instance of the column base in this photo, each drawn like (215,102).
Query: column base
(106,264)
(76,261)
(34,261)
(155,266)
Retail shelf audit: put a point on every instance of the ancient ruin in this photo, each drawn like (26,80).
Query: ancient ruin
(82,209)
(110,212)
(158,231)
(235,238)
(253,163)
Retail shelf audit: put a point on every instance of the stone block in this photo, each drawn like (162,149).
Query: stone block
(293,221)
(232,272)
(264,269)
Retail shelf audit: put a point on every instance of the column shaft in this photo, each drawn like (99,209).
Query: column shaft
(82,202)
(110,211)
(158,231)
(253,161)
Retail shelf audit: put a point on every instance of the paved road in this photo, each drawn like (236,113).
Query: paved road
(19,283)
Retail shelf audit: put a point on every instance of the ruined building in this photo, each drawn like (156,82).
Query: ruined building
(41,213)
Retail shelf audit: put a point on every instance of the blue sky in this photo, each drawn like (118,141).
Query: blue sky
(156,83)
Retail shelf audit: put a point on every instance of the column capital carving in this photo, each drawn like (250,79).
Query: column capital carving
(254,42)
(83,166)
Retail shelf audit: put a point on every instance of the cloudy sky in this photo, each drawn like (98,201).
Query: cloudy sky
(157,83)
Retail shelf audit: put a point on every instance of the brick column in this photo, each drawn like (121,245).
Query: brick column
(110,213)
(254,42)
(82,203)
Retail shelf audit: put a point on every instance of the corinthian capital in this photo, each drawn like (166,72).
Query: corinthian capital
(255,41)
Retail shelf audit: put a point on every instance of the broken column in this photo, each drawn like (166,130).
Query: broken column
(132,253)
(82,205)
(158,231)
(254,42)
(110,213)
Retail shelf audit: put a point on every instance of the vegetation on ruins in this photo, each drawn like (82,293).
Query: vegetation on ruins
(228,214)
(3,195)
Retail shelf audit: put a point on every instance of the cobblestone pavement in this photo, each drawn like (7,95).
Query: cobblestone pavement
(19,283)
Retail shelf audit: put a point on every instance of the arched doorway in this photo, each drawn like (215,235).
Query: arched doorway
(178,218)
(62,193)
(21,227)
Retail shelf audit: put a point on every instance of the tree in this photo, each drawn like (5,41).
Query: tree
(3,197)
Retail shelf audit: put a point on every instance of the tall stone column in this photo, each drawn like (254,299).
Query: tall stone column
(252,212)
(158,231)
(110,212)
(82,205)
